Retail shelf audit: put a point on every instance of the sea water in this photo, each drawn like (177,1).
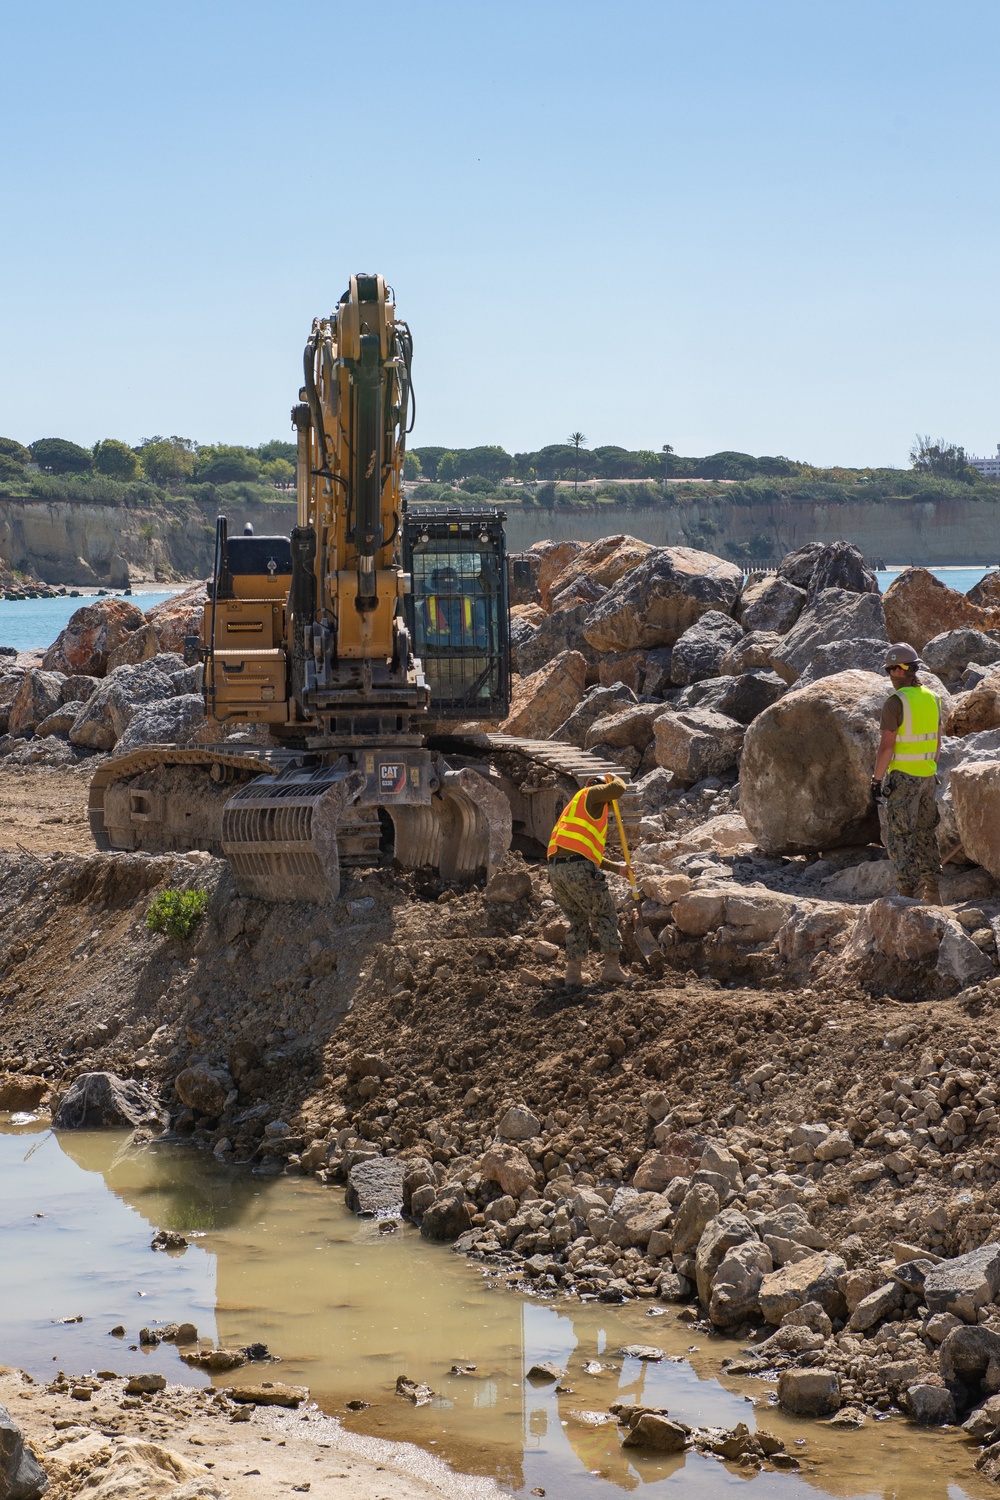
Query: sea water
(347,1308)
(28,624)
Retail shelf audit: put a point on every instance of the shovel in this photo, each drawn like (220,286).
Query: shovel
(644,940)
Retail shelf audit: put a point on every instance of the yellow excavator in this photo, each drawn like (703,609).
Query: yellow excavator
(351,666)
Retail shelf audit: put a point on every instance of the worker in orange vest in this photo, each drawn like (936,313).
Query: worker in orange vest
(576,860)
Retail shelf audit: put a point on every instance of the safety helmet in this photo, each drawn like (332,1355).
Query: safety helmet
(901,655)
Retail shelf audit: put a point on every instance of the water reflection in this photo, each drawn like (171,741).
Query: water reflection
(348,1310)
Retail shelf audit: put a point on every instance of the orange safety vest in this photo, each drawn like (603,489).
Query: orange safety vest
(432,611)
(577,832)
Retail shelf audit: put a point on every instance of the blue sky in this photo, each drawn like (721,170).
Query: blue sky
(759,224)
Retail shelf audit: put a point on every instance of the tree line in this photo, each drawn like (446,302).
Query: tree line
(170,462)
(572,461)
(173,463)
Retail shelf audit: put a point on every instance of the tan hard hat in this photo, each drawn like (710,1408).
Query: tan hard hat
(901,655)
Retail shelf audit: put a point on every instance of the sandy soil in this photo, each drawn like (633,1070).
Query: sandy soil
(44,810)
(276,1452)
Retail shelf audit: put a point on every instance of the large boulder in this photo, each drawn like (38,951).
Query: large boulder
(552,560)
(798,567)
(697,1209)
(736,1284)
(21,1475)
(561,631)
(10,681)
(809,1393)
(93,632)
(805,774)
(138,646)
(975,711)
(98,1101)
(948,654)
(741,698)
(167,721)
(106,716)
(545,699)
(508,1167)
(839,565)
(203,1089)
(754,652)
(986,593)
(599,703)
(179,617)
(963,1285)
(633,725)
(720,1235)
(834,616)
(828,565)
(695,743)
(860,654)
(375,1187)
(982,746)
(60,721)
(815,1278)
(654,603)
(698,652)
(966,1354)
(79,688)
(770,603)
(39,693)
(579,590)
(627,667)
(919,606)
(975,796)
(448,1216)
(602,562)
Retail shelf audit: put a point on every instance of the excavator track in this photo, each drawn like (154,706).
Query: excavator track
(287,824)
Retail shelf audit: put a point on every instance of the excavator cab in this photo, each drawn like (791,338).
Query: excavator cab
(457,610)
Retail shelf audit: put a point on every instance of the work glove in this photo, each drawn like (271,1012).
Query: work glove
(876,790)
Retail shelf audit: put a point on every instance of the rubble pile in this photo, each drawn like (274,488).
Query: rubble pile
(748,715)
(115,679)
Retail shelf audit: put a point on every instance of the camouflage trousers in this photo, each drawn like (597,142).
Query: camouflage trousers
(911,818)
(582,892)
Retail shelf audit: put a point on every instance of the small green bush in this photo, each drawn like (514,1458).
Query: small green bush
(176,912)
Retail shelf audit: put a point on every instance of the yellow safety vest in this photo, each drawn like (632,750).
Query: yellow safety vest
(577,832)
(916,738)
(432,612)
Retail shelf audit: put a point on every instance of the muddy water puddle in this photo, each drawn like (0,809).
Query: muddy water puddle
(348,1309)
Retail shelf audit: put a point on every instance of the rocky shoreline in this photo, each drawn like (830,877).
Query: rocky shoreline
(91,1436)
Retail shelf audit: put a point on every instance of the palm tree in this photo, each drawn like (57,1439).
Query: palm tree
(576,438)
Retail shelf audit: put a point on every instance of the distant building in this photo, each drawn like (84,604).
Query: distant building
(988,467)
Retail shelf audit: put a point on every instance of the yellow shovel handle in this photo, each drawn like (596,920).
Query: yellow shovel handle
(628,862)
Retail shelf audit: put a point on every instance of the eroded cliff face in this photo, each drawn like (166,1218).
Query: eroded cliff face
(926,532)
(61,541)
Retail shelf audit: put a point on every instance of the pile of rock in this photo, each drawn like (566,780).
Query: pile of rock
(748,714)
(710,1223)
(114,679)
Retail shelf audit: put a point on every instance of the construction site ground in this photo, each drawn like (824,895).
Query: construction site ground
(408,1016)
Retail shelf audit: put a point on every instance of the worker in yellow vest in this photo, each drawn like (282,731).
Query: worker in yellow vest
(576,856)
(905,777)
(452,617)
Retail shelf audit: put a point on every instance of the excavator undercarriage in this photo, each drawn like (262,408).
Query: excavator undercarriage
(350,667)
